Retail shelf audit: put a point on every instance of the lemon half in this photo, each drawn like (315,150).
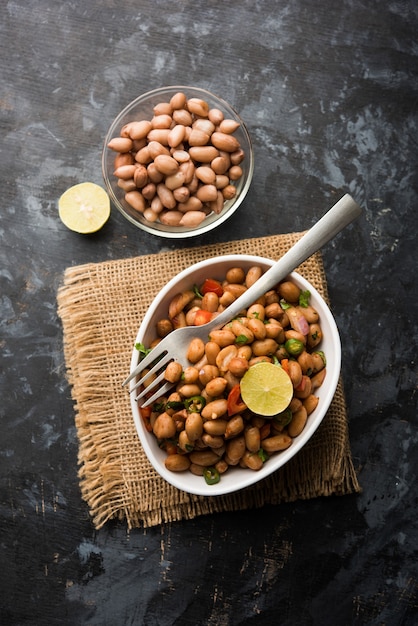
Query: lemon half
(84,208)
(266,389)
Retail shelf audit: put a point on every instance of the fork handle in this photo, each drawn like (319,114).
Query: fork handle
(335,220)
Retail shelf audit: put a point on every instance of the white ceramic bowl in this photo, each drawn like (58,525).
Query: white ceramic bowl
(235,478)
(142,109)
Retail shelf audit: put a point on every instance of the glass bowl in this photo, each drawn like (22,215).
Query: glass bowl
(142,109)
(235,478)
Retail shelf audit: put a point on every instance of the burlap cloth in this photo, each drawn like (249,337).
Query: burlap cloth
(101,306)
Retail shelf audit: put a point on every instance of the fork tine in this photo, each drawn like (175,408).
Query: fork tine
(150,358)
(160,392)
(151,386)
(163,361)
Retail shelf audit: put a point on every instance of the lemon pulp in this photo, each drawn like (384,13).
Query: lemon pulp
(84,208)
(266,389)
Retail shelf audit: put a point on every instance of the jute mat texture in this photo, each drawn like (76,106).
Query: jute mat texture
(101,306)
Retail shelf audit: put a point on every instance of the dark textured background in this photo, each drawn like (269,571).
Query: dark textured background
(329,93)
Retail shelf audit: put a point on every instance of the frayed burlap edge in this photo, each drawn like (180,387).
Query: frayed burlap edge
(101,306)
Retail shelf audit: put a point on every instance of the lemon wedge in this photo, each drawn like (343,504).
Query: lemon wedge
(266,389)
(84,208)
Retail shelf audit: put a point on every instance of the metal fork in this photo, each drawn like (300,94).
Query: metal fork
(175,345)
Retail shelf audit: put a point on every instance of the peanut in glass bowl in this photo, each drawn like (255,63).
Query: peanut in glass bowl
(142,109)
(235,478)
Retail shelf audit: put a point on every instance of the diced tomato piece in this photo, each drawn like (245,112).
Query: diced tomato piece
(285,365)
(202,317)
(211,284)
(234,403)
(146,414)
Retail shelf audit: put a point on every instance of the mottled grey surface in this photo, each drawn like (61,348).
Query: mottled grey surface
(329,92)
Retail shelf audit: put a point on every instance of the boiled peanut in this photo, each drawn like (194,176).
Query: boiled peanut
(289,291)
(190,374)
(204,124)
(136,200)
(256,310)
(164,426)
(216,386)
(238,366)
(234,427)
(159,134)
(120,144)
(126,172)
(235,172)
(298,422)
(215,427)
(207,193)
(258,328)
(261,347)
(253,275)
(295,373)
(215,409)
(197,470)
(184,442)
(310,403)
(206,174)
(252,460)
(191,203)
(194,426)
(178,303)
(318,379)
(188,390)
(139,130)
(277,443)
(213,441)
(198,107)
(225,142)
(162,108)
(166,196)
(175,181)
(127,185)
(216,116)
(206,373)
(210,301)
(223,337)
(166,164)
(225,356)
(228,126)
(197,137)
(212,350)
(204,457)
(162,120)
(178,101)
(314,335)
(177,462)
(182,116)
(252,438)
(173,372)
(235,448)
(191,219)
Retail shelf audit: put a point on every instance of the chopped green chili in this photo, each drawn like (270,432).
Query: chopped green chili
(322,355)
(294,347)
(211,475)
(195,404)
(284,418)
